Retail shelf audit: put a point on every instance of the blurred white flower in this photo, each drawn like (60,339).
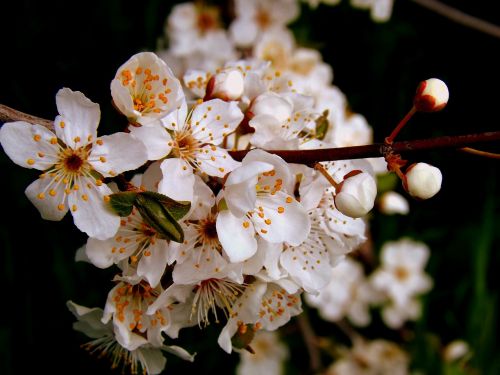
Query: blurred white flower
(268,357)
(391,203)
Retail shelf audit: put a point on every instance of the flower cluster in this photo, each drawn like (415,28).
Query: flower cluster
(199,236)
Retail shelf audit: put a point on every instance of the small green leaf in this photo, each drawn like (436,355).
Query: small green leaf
(158,217)
(178,209)
(243,337)
(322,125)
(122,203)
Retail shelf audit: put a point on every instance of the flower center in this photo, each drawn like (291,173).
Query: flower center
(212,294)
(401,273)
(262,18)
(74,162)
(207,20)
(185,146)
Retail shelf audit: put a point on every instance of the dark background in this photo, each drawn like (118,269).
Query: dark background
(47,46)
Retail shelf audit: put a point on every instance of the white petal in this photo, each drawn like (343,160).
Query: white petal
(196,81)
(236,236)
(308,264)
(152,267)
(178,180)
(82,116)
(239,191)
(176,119)
(100,252)
(243,32)
(179,352)
(49,205)
(282,219)
(215,161)
(89,321)
(213,120)
(156,139)
(117,153)
(24,143)
(203,202)
(152,359)
(91,213)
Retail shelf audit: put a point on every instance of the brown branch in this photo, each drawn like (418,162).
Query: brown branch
(11,114)
(310,157)
(460,17)
(311,342)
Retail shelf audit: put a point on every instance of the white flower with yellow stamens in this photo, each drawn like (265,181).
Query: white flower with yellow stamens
(127,306)
(146,359)
(136,240)
(145,89)
(194,145)
(260,201)
(266,306)
(74,161)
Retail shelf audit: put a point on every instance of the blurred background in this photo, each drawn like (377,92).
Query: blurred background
(48,45)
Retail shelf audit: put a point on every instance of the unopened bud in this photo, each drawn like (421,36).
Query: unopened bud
(226,85)
(393,203)
(423,181)
(432,95)
(273,105)
(356,195)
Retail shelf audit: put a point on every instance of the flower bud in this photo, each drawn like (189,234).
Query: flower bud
(226,85)
(432,95)
(356,195)
(393,203)
(423,181)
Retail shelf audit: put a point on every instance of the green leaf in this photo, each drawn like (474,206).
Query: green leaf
(322,125)
(178,209)
(122,203)
(158,217)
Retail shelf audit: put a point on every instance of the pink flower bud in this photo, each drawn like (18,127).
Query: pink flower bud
(432,95)
(356,195)
(226,85)
(423,181)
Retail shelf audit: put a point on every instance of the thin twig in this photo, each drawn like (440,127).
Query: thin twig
(460,17)
(311,342)
(485,154)
(311,157)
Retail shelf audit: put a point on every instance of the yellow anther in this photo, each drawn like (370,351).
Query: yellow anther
(37,137)
(53,140)
(74,208)
(99,142)
(60,207)
(289,200)
(30,161)
(52,193)
(267,221)
(98,182)
(41,154)
(246,224)
(62,124)
(281,209)
(107,198)
(40,196)
(102,159)
(85,197)
(76,187)
(147,253)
